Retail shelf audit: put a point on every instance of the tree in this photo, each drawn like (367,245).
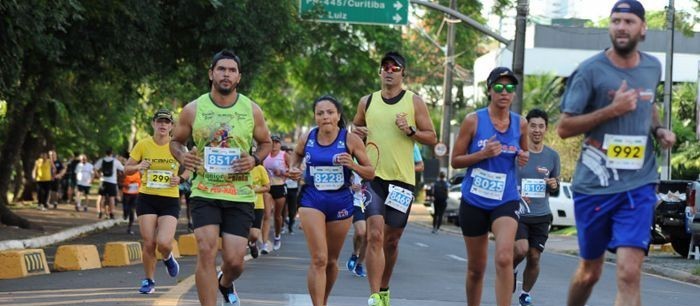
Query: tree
(91,59)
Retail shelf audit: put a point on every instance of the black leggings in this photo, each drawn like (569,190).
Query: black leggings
(129,206)
(42,192)
(439,205)
(291,206)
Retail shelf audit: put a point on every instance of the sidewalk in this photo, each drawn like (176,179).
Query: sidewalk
(666,264)
(59,225)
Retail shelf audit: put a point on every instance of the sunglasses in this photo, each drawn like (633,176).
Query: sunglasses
(498,88)
(391,68)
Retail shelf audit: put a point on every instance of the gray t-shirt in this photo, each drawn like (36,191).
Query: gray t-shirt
(541,165)
(617,155)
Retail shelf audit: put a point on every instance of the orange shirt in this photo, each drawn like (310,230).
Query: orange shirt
(132,183)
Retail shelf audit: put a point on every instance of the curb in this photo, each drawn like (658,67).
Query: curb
(674,274)
(61,236)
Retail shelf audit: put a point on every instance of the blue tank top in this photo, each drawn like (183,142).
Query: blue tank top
(322,173)
(493,181)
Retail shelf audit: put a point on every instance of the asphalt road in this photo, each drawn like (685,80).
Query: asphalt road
(431,270)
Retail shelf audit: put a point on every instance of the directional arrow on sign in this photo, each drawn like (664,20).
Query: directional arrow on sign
(397,18)
(398,6)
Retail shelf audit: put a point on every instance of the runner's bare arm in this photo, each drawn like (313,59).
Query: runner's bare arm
(183,131)
(460,157)
(363,167)
(132,166)
(425,131)
(261,134)
(359,125)
(665,137)
(297,157)
(523,155)
(625,100)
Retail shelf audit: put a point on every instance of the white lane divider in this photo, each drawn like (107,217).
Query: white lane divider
(455,257)
(422,245)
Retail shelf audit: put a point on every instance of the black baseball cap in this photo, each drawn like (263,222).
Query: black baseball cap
(632,7)
(396,57)
(498,73)
(276,138)
(163,114)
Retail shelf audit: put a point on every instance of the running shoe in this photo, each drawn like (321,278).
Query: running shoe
(352,262)
(525,299)
(375,300)
(253,247)
(359,271)
(278,243)
(265,248)
(172,266)
(230,294)
(386,297)
(148,286)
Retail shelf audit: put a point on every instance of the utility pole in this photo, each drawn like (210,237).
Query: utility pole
(668,85)
(447,87)
(519,53)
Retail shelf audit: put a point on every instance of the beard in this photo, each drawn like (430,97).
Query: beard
(625,49)
(224,91)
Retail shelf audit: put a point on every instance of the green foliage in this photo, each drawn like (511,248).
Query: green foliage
(543,92)
(685,161)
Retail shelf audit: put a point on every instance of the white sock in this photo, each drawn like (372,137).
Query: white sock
(524,292)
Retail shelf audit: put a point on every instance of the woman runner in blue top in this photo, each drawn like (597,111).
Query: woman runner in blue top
(490,143)
(325,200)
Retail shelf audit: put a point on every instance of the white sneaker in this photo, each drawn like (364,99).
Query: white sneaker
(265,249)
(278,243)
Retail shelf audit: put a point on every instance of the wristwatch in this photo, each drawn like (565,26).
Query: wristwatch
(412,131)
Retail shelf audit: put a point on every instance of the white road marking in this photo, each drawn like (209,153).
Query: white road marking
(422,245)
(455,257)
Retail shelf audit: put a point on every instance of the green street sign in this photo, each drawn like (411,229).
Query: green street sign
(381,12)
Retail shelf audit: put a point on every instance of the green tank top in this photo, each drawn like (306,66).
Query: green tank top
(221,136)
(389,149)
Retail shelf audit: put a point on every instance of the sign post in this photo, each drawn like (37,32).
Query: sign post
(380,12)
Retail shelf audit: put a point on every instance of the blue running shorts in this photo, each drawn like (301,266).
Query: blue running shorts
(336,205)
(614,220)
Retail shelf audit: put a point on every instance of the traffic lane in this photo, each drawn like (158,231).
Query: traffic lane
(430,268)
(441,267)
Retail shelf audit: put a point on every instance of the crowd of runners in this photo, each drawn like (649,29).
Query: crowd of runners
(241,184)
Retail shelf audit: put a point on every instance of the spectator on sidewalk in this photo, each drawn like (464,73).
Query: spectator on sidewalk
(440,190)
(43,168)
(84,172)
(108,166)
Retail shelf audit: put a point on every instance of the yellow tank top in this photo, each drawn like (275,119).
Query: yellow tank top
(260,178)
(43,173)
(156,179)
(389,149)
